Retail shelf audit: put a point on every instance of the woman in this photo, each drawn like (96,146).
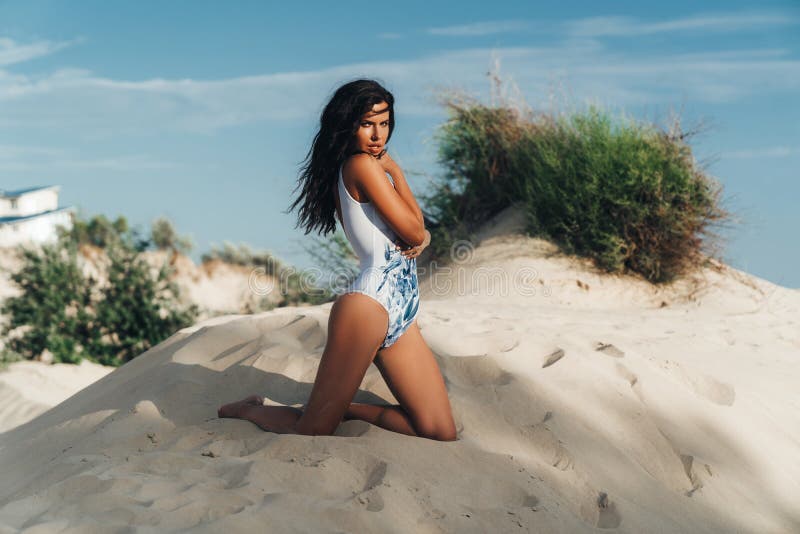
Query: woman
(374,320)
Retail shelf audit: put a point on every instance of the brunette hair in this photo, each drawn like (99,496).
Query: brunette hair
(331,146)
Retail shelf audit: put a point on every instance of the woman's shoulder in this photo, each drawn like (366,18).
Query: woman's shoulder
(359,163)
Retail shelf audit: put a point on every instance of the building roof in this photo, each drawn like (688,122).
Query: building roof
(11,220)
(19,192)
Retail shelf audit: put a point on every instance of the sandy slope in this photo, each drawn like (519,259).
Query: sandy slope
(586,404)
(28,388)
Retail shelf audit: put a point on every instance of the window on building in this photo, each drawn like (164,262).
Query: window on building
(13,203)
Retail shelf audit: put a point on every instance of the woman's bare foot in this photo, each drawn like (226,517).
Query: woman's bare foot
(234,408)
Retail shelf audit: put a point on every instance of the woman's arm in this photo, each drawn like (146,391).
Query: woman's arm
(400,184)
(370,177)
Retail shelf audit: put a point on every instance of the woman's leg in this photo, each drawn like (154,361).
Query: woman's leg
(279,419)
(392,417)
(413,376)
(356,328)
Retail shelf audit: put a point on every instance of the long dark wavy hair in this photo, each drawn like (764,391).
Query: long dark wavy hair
(338,125)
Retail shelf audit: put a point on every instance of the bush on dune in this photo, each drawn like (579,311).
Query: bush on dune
(100,232)
(625,194)
(53,310)
(295,288)
(243,255)
(135,310)
(163,236)
(73,316)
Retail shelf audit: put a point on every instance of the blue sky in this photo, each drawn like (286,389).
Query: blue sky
(202,112)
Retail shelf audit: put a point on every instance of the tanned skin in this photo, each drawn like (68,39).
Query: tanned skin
(357,324)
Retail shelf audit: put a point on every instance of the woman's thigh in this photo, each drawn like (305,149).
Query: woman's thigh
(414,378)
(356,329)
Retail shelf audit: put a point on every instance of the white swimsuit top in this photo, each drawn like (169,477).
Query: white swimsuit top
(367,232)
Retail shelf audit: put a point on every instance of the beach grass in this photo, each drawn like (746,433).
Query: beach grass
(627,194)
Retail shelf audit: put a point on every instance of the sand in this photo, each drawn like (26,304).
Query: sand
(29,388)
(592,403)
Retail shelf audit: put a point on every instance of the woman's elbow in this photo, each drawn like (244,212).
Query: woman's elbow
(419,238)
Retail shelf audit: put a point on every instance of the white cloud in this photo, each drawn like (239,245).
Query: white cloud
(12,152)
(81,102)
(618,25)
(629,26)
(12,52)
(481,28)
(16,158)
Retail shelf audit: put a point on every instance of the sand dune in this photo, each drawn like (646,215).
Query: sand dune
(28,388)
(594,403)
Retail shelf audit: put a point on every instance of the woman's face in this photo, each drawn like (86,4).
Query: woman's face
(373,129)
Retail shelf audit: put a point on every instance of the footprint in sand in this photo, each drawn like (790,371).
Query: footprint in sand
(544,440)
(627,374)
(607,516)
(372,500)
(704,385)
(369,494)
(700,383)
(608,349)
(474,371)
(375,476)
(553,357)
(465,341)
(695,474)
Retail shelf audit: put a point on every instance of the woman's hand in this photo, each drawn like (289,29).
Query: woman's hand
(413,252)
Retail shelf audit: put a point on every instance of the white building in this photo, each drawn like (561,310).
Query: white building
(31,215)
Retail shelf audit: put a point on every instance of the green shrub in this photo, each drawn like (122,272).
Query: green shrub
(243,255)
(294,286)
(101,232)
(62,311)
(7,357)
(627,195)
(53,308)
(335,259)
(136,311)
(163,236)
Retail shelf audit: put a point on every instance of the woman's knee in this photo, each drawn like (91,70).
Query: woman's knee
(440,429)
(313,428)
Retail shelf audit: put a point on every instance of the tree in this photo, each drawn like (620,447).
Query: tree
(136,310)
(53,312)
(101,232)
(164,236)
(68,314)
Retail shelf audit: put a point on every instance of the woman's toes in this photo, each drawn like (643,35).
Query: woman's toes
(228,410)
(258,400)
(233,409)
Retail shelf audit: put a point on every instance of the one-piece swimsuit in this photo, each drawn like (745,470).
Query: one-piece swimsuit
(384,273)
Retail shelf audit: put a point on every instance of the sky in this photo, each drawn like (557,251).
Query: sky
(202,112)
